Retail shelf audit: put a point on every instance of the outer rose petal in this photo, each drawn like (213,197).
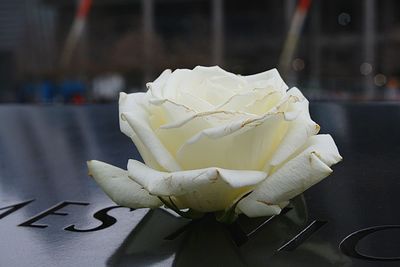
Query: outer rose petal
(257,209)
(151,142)
(133,103)
(210,189)
(117,185)
(298,133)
(293,177)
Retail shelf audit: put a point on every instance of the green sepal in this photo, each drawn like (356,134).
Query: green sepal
(190,214)
(229,215)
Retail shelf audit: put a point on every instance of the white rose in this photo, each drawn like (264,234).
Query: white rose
(215,141)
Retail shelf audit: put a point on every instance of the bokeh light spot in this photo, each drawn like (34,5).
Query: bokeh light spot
(380,79)
(298,64)
(344,18)
(365,68)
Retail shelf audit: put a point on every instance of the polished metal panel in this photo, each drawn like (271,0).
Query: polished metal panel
(43,150)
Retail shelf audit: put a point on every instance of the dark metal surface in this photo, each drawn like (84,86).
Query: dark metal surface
(42,158)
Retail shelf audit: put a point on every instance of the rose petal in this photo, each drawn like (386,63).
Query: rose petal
(207,85)
(130,103)
(170,110)
(151,141)
(241,143)
(257,209)
(292,104)
(177,82)
(212,71)
(289,107)
(263,104)
(221,77)
(294,176)
(244,102)
(117,185)
(172,114)
(209,189)
(298,133)
(181,182)
(194,102)
(215,118)
(187,124)
(213,84)
(267,78)
(246,144)
(156,87)
(134,103)
(214,93)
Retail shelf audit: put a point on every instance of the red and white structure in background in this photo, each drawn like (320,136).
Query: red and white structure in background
(76,31)
(293,35)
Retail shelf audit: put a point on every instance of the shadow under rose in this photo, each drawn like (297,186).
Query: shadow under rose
(162,239)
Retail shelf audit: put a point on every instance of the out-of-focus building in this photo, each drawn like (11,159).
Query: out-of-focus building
(347,49)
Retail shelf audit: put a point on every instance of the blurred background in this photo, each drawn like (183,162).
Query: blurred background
(85,51)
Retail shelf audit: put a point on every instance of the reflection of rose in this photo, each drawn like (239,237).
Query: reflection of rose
(209,137)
